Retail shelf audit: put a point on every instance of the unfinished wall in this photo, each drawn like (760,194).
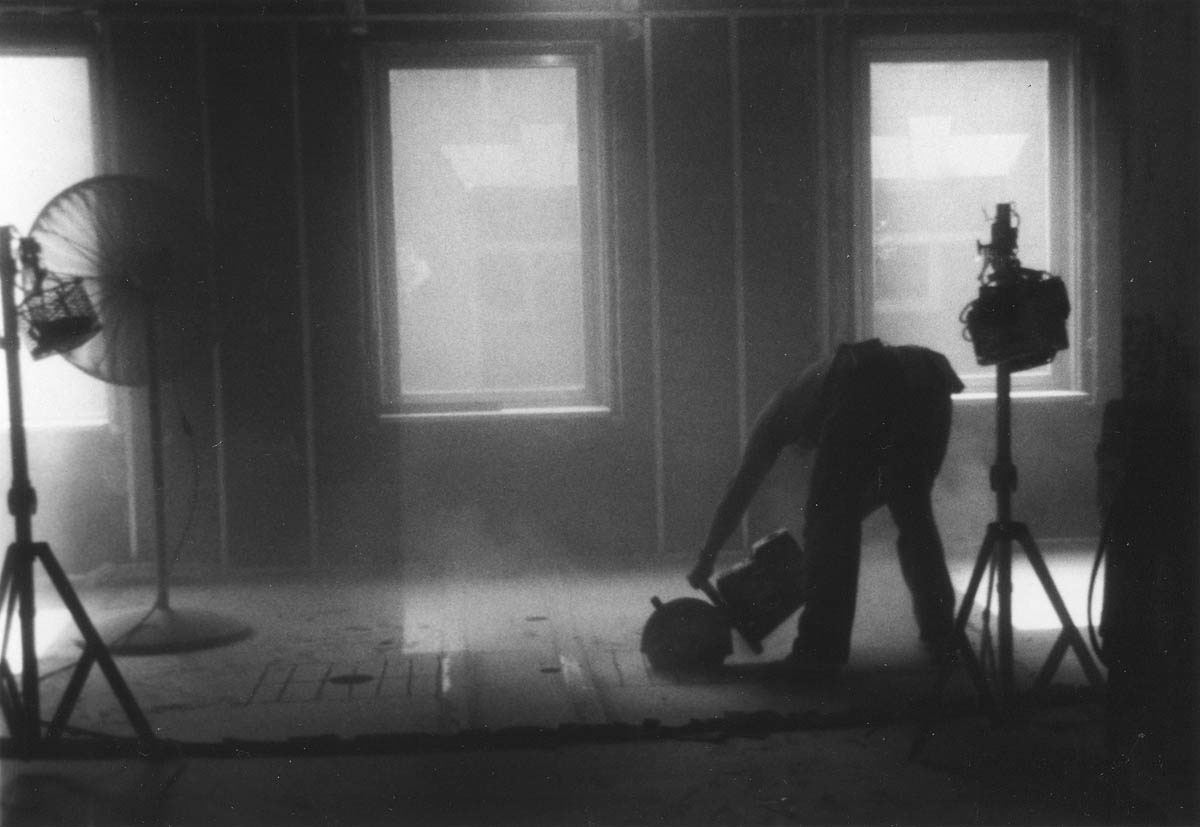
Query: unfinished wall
(730,184)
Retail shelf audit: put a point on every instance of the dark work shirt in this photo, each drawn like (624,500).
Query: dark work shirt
(797,412)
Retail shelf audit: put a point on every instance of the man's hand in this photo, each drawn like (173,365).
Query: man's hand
(700,574)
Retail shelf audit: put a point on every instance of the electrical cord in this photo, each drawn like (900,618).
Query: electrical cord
(987,652)
(1106,538)
(194,494)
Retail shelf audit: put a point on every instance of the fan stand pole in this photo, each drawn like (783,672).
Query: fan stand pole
(164,630)
(162,601)
(21,702)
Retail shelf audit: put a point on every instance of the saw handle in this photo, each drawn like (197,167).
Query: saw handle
(712,594)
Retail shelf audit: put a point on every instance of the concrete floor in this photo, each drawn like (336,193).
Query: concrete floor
(451,696)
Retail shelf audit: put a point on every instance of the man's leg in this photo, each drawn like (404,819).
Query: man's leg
(832,535)
(923,563)
(922,556)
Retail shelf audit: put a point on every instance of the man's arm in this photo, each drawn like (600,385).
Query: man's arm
(767,439)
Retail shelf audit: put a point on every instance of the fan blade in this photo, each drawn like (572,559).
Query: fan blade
(144,258)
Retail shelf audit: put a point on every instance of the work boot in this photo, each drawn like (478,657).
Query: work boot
(803,665)
(940,651)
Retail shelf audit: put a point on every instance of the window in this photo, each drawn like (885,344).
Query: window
(490,294)
(47,144)
(952,133)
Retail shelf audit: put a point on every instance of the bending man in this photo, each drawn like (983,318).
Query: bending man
(878,419)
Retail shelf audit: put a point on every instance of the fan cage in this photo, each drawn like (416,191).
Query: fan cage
(60,316)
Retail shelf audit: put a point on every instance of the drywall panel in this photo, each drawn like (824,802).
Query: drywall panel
(783,191)
(490,494)
(698,324)
(157,128)
(249,84)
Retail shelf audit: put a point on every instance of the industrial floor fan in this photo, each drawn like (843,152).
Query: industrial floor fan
(142,256)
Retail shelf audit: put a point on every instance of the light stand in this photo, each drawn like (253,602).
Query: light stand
(996,554)
(21,703)
(1020,306)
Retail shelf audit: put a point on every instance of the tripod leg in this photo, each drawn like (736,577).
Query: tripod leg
(71,694)
(1053,660)
(10,693)
(1004,634)
(10,698)
(962,644)
(31,689)
(95,645)
(1070,632)
(974,668)
(981,564)
(10,602)
(21,698)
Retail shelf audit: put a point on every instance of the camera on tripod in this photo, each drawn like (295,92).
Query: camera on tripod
(1019,320)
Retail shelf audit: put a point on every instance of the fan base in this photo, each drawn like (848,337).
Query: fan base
(166,630)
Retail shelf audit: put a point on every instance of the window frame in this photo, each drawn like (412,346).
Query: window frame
(597,395)
(1066,377)
(69,47)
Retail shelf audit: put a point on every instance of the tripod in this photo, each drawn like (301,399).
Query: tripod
(995,555)
(21,702)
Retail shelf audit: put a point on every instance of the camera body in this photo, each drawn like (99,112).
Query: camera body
(1019,320)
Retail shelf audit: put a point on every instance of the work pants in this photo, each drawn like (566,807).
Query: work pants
(880,435)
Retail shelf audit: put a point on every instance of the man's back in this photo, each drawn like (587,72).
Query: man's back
(796,413)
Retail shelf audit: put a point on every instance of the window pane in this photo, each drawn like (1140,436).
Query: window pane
(489,247)
(949,141)
(46,147)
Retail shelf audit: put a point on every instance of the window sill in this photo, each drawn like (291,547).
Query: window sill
(62,425)
(547,412)
(972,397)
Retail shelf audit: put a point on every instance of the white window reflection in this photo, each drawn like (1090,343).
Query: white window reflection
(495,272)
(47,143)
(948,141)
